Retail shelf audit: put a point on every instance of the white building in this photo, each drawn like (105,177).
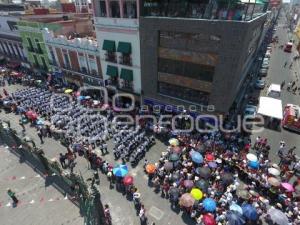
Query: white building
(117,30)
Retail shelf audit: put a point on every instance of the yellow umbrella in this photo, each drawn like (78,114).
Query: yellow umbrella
(68,91)
(197,193)
(173,142)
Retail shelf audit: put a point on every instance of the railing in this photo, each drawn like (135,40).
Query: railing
(38,51)
(110,57)
(30,49)
(125,60)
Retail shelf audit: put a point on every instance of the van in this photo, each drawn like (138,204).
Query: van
(274,91)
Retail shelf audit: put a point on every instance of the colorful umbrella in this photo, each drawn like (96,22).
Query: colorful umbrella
(209,205)
(33,116)
(150,168)
(243,194)
(251,157)
(274,182)
(173,142)
(235,218)
(29,113)
(186,200)
(68,91)
(208,219)
(236,208)
(253,164)
(209,157)
(196,193)
(168,166)
(288,187)
(274,171)
(227,178)
(128,180)
(212,165)
(197,157)
(120,170)
(277,216)
(203,172)
(40,122)
(174,157)
(176,149)
(188,183)
(202,184)
(250,212)
(174,192)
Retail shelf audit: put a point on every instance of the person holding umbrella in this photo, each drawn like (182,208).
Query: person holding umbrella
(12,195)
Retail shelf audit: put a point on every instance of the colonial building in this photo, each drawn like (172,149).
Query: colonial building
(117,31)
(78,59)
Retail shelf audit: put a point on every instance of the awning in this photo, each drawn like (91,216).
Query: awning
(124,47)
(270,107)
(112,71)
(109,46)
(126,75)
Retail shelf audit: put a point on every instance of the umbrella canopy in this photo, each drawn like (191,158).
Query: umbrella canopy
(174,192)
(227,178)
(274,171)
(209,205)
(29,113)
(197,157)
(168,166)
(202,184)
(150,168)
(33,116)
(40,122)
(288,187)
(274,182)
(176,149)
(212,165)
(174,157)
(188,183)
(253,164)
(250,212)
(173,142)
(243,194)
(120,170)
(175,176)
(251,157)
(128,180)
(235,218)
(208,219)
(209,157)
(277,216)
(236,208)
(196,193)
(68,91)
(186,200)
(203,172)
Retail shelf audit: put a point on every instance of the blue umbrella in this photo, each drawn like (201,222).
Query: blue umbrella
(120,170)
(234,218)
(209,204)
(236,208)
(212,165)
(197,157)
(81,97)
(249,212)
(253,164)
(40,122)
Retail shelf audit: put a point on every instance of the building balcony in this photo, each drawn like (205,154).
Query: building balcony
(53,63)
(126,88)
(110,57)
(127,61)
(38,51)
(132,23)
(30,49)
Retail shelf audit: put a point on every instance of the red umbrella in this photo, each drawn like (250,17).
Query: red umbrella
(209,157)
(29,113)
(208,219)
(33,116)
(128,180)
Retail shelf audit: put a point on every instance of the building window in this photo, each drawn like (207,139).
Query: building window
(130,10)
(30,43)
(3,48)
(183,93)
(12,48)
(102,9)
(39,48)
(67,62)
(53,57)
(115,9)
(44,63)
(36,62)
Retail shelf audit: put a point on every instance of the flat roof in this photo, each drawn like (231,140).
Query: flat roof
(270,107)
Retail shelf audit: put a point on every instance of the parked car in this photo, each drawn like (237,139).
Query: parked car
(268,55)
(250,111)
(263,72)
(265,64)
(260,83)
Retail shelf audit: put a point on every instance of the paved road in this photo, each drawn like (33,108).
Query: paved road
(277,74)
(39,203)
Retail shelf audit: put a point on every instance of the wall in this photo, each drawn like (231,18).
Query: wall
(232,54)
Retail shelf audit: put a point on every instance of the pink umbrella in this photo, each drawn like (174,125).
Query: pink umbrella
(188,183)
(288,187)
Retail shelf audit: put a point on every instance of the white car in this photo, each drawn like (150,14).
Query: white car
(265,64)
(250,111)
(263,72)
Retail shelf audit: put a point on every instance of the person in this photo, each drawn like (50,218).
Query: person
(22,125)
(13,196)
(107,214)
(62,160)
(40,134)
(142,215)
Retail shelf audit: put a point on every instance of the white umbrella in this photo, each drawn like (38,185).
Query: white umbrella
(252,157)
(274,171)
(278,216)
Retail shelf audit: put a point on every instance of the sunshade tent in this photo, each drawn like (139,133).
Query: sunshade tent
(109,45)
(270,107)
(126,74)
(112,71)
(124,47)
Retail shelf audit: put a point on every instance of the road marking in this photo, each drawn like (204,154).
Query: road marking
(156,213)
